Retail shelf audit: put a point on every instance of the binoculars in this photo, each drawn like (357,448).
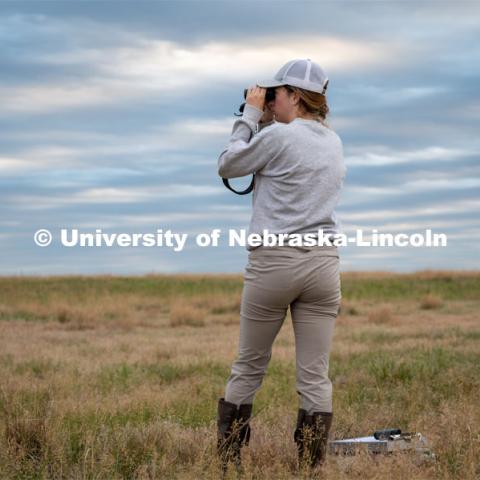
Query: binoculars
(269,96)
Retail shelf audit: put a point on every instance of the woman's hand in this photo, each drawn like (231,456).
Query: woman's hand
(256,97)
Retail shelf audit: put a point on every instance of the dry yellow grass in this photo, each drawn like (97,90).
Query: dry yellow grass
(430,302)
(118,378)
(182,313)
(382,315)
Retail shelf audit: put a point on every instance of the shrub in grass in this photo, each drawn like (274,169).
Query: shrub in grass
(226,306)
(26,416)
(381,315)
(431,302)
(185,314)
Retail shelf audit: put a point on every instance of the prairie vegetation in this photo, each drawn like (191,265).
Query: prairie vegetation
(118,377)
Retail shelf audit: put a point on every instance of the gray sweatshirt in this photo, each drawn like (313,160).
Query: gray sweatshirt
(299,172)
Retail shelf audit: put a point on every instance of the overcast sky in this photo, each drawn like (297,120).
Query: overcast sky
(113,115)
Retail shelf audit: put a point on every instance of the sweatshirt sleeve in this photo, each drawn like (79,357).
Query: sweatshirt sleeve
(247,151)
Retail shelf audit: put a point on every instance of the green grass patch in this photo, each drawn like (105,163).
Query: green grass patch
(376,337)
(40,368)
(81,288)
(387,377)
(398,287)
(124,376)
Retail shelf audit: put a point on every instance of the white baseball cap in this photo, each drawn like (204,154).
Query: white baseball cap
(301,73)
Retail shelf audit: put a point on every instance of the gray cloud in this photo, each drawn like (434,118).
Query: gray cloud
(115,118)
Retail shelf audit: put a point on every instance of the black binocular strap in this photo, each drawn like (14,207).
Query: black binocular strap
(244,192)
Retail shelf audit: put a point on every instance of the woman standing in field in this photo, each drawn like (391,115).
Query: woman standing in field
(299,172)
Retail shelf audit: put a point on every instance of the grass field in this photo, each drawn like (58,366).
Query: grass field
(118,377)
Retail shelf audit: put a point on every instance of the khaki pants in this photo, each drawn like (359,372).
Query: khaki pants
(307,279)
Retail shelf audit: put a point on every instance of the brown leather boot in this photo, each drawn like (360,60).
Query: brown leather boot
(311,436)
(233,431)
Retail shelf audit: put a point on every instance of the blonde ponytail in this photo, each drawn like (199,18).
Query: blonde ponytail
(313,103)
